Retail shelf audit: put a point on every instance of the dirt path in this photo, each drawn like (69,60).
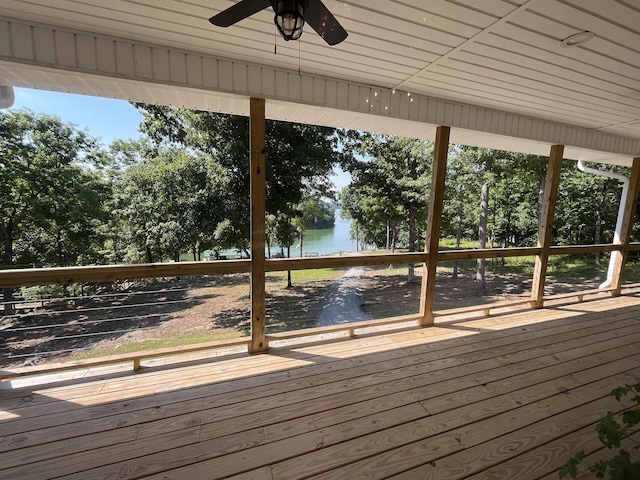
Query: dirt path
(342,303)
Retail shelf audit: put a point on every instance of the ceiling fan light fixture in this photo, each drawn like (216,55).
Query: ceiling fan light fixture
(289,18)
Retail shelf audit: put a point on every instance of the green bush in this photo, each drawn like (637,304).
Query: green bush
(611,433)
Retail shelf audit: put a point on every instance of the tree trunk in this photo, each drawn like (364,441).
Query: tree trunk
(597,234)
(289,284)
(194,250)
(541,183)
(394,239)
(301,237)
(268,247)
(176,256)
(148,254)
(482,238)
(388,236)
(412,242)
(458,239)
(7,260)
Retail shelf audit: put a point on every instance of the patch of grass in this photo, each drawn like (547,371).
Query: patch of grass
(449,243)
(632,271)
(165,341)
(301,276)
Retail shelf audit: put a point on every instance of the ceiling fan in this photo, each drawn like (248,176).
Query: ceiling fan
(290,17)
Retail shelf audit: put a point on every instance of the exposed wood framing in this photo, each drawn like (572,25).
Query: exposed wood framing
(546,224)
(434,220)
(627,226)
(258,205)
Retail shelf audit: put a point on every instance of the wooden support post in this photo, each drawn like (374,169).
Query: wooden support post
(257,130)
(627,226)
(434,220)
(546,224)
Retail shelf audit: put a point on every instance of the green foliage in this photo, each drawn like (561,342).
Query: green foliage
(390,189)
(52,191)
(300,159)
(611,433)
(571,467)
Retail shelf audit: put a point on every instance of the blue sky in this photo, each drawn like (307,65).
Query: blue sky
(106,118)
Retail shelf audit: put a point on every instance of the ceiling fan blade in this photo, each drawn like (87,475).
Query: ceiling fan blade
(239,11)
(323,22)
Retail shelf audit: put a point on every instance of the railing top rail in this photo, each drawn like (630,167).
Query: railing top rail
(109,273)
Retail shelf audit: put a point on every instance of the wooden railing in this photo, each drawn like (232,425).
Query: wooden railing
(99,274)
(258,265)
(109,273)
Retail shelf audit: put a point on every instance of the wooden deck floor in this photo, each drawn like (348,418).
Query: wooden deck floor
(508,397)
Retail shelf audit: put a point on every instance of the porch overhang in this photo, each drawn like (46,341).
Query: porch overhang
(110,53)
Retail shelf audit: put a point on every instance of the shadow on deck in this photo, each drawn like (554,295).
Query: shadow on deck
(506,397)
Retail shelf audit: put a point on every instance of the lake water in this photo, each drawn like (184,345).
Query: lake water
(325,241)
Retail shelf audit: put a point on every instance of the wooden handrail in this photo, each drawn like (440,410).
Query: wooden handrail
(475,254)
(583,249)
(634,247)
(307,263)
(108,273)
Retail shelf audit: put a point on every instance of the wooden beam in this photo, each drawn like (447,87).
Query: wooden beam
(583,249)
(434,220)
(109,273)
(628,220)
(474,254)
(257,129)
(546,224)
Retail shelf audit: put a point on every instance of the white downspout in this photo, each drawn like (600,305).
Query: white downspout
(623,200)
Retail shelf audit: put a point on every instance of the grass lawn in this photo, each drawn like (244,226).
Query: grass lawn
(164,341)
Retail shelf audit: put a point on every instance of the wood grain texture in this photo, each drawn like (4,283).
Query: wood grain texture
(628,221)
(492,396)
(434,220)
(546,224)
(258,151)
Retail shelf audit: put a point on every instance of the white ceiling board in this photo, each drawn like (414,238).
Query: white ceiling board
(455,89)
(507,80)
(583,105)
(497,64)
(137,91)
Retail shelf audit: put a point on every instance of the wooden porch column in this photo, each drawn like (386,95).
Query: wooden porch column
(546,224)
(434,220)
(627,226)
(257,129)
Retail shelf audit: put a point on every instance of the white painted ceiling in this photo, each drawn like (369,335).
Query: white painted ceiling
(500,54)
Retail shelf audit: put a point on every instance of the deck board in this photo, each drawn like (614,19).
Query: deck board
(500,397)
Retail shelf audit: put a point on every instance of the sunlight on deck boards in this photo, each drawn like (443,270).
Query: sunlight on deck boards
(505,397)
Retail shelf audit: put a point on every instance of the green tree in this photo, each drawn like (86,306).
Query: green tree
(52,192)
(300,158)
(390,191)
(170,203)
